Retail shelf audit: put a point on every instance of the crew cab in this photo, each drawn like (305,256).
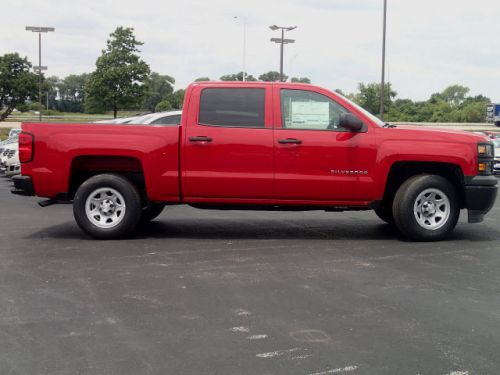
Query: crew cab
(260,146)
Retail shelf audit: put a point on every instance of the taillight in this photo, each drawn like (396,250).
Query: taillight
(26,144)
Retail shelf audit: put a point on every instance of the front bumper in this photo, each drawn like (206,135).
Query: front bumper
(480,196)
(12,170)
(23,185)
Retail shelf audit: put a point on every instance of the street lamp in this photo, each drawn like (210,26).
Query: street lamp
(282,41)
(39,68)
(244,45)
(382,83)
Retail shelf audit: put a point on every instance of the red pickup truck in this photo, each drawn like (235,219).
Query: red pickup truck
(260,146)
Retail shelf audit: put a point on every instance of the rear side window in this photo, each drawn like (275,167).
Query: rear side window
(168,120)
(233,107)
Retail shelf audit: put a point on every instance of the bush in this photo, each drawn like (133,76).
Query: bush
(164,105)
(35,106)
(23,108)
(50,112)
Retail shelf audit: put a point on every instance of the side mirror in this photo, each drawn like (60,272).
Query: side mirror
(350,122)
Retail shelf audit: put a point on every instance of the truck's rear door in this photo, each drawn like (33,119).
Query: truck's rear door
(228,143)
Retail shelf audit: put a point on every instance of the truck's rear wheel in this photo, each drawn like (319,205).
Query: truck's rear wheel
(426,208)
(107,206)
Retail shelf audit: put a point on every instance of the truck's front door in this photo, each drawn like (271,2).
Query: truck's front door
(315,159)
(228,144)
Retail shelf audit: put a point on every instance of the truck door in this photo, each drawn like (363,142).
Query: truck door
(228,143)
(315,159)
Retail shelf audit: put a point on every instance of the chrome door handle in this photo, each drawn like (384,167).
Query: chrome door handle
(200,139)
(290,141)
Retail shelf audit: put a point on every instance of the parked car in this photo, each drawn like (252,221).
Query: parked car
(492,134)
(157,118)
(496,166)
(120,120)
(5,148)
(12,168)
(260,145)
(8,151)
(11,163)
(14,133)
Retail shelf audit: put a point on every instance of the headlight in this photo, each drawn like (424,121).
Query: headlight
(485,150)
(485,154)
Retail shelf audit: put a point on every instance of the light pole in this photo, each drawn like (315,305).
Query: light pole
(39,68)
(382,82)
(244,45)
(282,41)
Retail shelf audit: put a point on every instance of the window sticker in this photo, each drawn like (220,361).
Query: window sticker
(309,115)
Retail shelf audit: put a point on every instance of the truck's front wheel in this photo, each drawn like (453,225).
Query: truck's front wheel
(107,206)
(426,208)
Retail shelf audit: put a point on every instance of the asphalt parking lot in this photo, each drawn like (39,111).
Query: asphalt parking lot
(223,292)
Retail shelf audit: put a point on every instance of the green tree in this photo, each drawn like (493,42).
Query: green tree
(118,81)
(23,107)
(17,83)
(272,76)
(450,105)
(157,87)
(301,80)
(71,92)
(349,96)
(368,97)
(454,95)
(36,106)
(50,88)
(403,110)
(176,99)
(164,105)
(237,77)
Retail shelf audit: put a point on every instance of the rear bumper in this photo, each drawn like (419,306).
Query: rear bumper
(23,185)
(480,196)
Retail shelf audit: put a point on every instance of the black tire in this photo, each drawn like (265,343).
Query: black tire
(151,211)
(405,213)
(497,123)
(385,214)
(125,224)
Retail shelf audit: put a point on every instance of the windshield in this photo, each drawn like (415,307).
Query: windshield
(374,118)
(496,142)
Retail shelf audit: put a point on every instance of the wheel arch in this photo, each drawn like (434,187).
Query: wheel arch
(399,172)
(85,166)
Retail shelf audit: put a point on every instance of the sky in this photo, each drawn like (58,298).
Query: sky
(431,44)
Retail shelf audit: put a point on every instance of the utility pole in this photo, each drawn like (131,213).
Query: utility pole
(382,82)
(244,46)
(39,68)
(282,41)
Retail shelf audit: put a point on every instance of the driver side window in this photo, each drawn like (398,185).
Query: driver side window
(308,110)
